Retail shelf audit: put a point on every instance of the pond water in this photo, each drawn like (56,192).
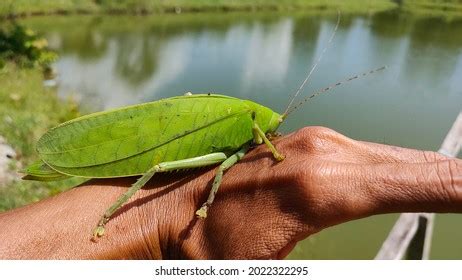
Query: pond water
(108,62)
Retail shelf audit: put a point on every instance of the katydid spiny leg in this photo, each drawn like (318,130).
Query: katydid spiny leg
(161,167)
(202,212)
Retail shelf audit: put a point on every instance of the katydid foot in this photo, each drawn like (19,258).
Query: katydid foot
(202,212)
(99,230)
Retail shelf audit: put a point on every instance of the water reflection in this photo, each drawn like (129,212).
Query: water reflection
(114,61)
(100,82)
(267,54)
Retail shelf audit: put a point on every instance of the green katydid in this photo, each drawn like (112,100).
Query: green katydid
(182,132)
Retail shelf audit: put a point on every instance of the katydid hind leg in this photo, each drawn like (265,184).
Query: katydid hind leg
(200,161)
(99,230)
(233,159)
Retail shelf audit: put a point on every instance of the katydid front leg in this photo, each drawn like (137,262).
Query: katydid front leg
(161,167)
(259,135)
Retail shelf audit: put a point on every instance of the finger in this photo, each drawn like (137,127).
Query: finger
(416,187)
(387,153)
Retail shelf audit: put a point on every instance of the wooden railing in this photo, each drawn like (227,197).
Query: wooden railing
(411,235)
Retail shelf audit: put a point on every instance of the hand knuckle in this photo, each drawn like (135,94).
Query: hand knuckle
(315,138)
(315,131)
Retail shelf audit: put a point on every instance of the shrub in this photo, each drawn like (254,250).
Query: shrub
(23,46)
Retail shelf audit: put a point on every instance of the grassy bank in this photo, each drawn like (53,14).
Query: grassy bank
(14,8)
(37,7)
(440,8)
(27,110)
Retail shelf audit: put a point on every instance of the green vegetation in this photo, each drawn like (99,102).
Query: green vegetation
(31,7)
(27,110)
(12,8)
(23,46)
(441,8)
(244,5)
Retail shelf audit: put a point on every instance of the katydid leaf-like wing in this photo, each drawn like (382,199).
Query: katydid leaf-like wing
(112,136)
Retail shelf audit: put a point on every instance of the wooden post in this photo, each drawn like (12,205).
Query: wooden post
(412,233)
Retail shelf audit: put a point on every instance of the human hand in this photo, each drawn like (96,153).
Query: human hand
(261,210)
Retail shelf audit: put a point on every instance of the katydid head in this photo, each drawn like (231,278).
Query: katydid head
(275,122)
(266,119)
